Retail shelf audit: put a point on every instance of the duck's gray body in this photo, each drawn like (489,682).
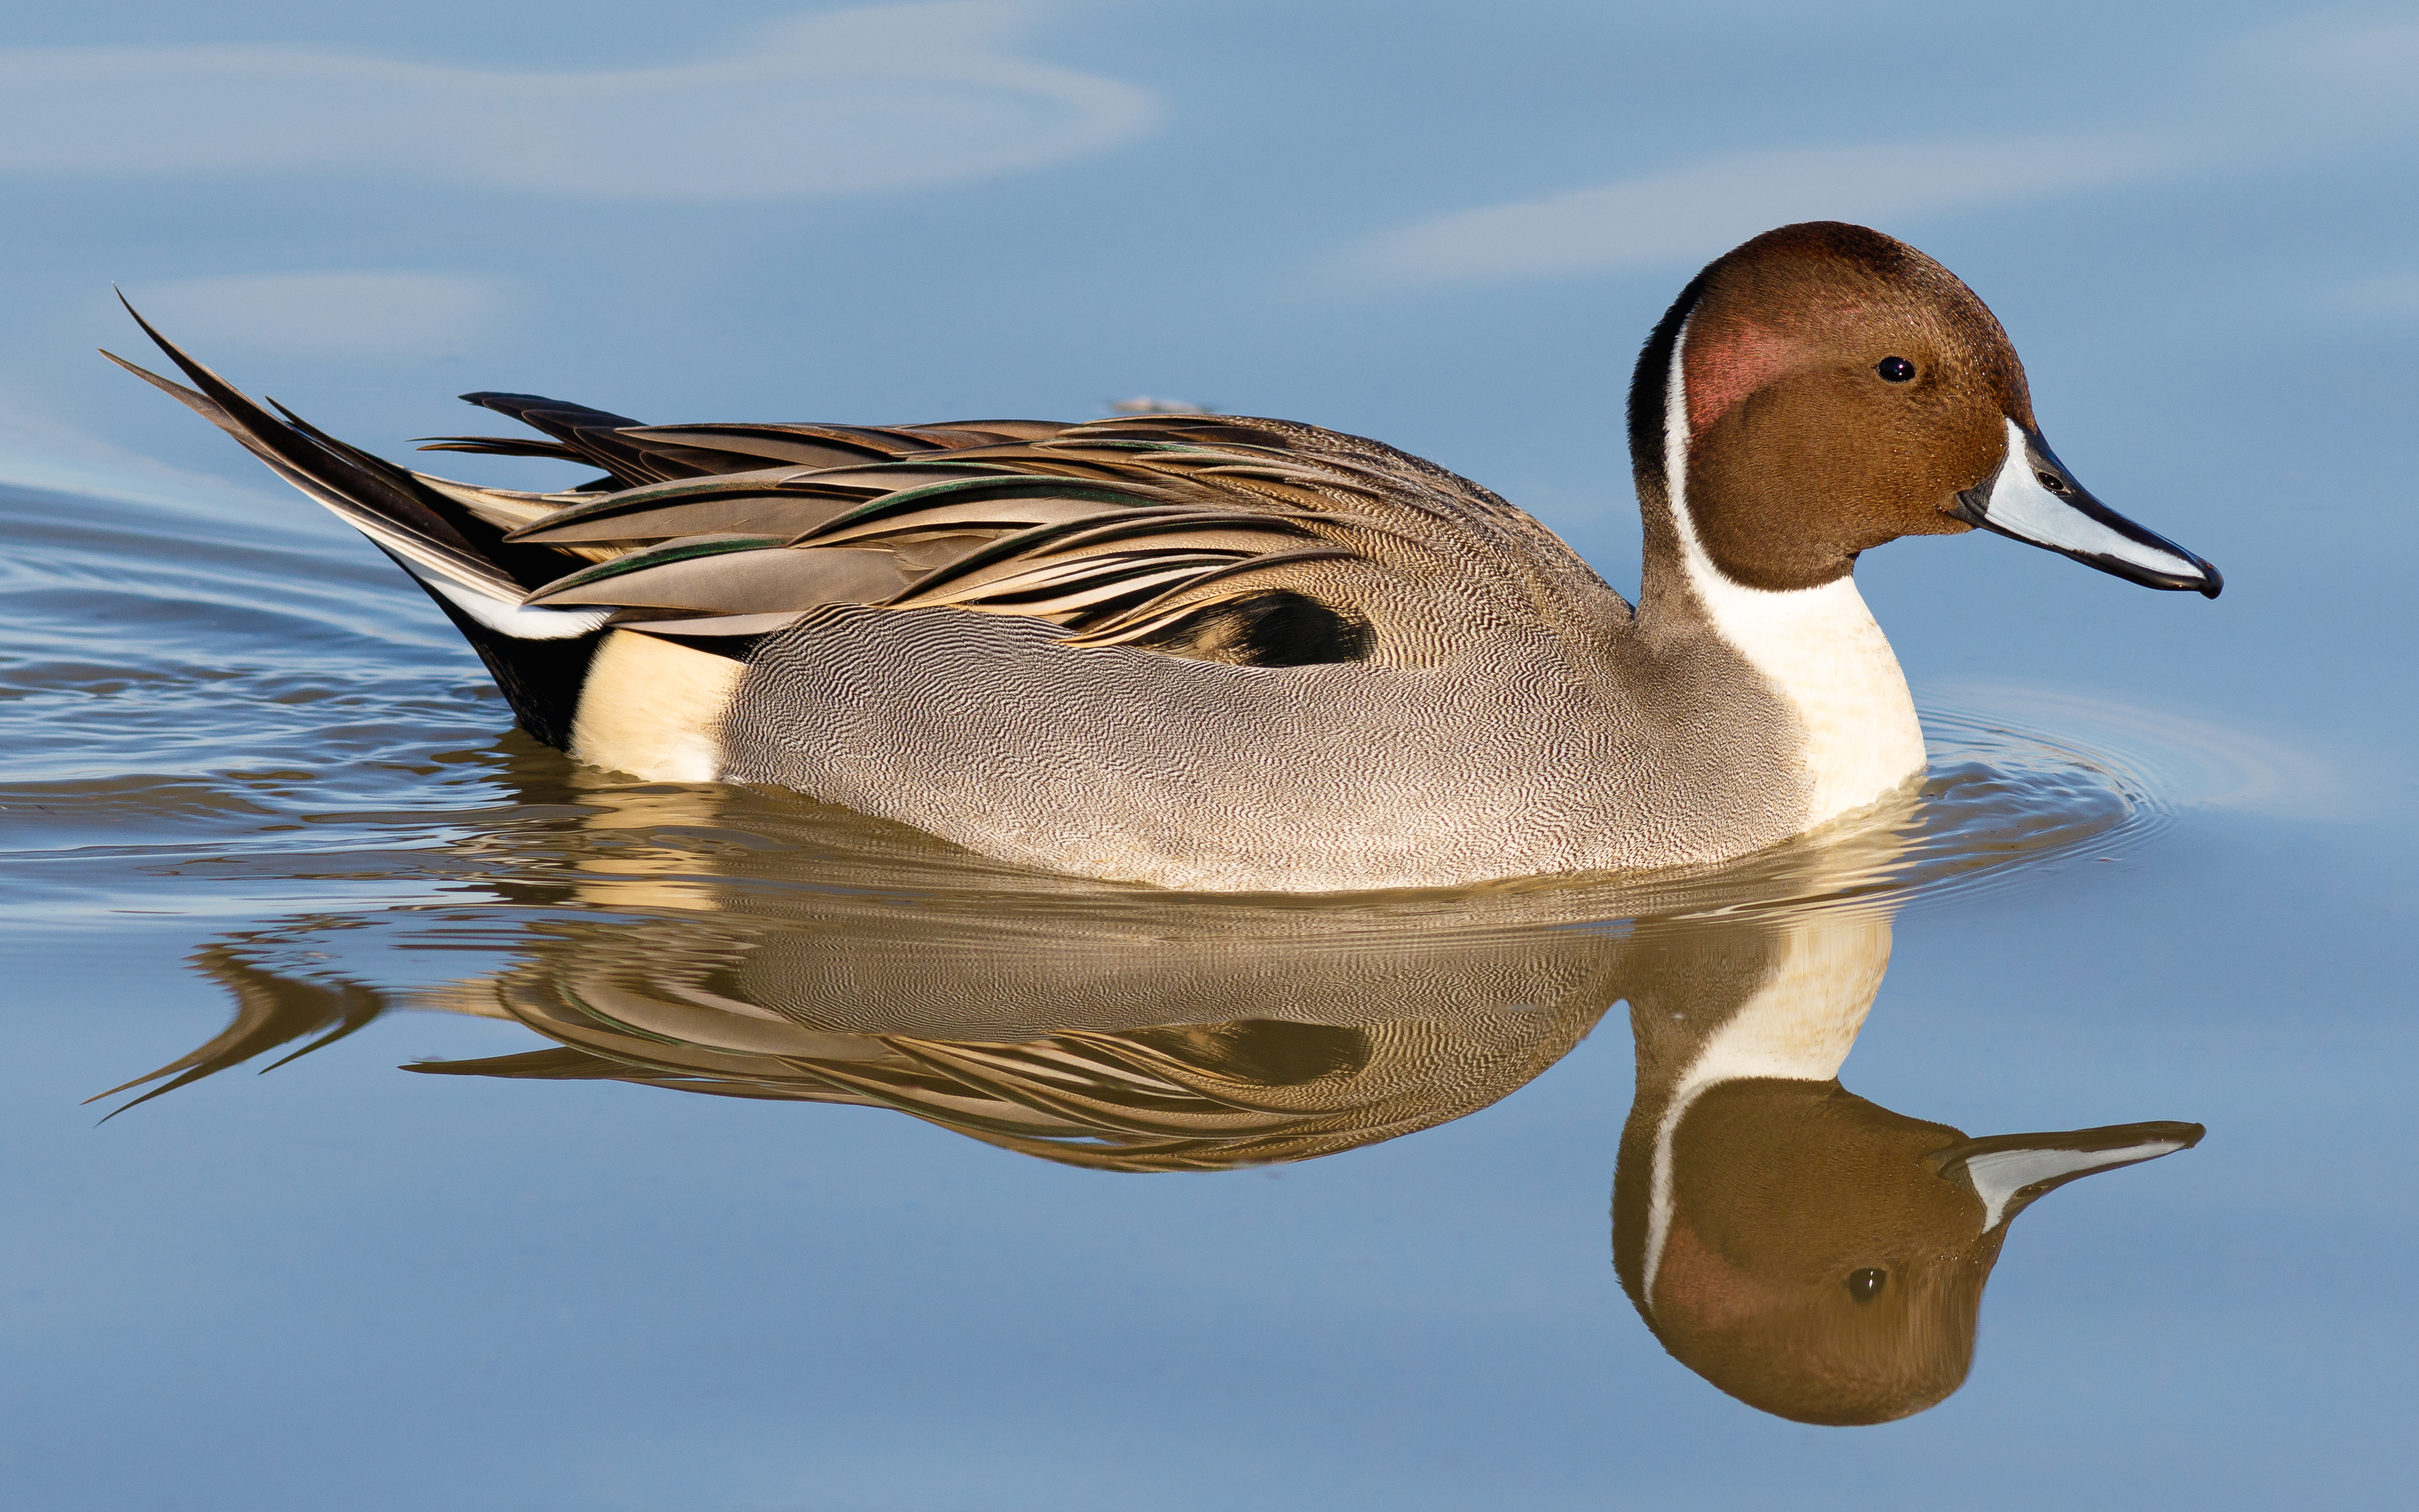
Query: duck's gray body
(1506,760)
(1569,738)
(1513,717)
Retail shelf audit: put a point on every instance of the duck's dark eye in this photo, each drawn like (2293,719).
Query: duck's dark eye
(1865,1285)
(2050,480)
(1894,370)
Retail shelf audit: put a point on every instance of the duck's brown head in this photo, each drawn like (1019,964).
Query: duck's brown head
(1824,389)
(1822,1259)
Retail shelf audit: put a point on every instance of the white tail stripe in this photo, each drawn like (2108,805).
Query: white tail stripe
(505,616)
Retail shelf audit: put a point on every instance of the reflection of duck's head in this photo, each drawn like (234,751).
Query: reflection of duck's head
(1807,1252)
(1824,1257)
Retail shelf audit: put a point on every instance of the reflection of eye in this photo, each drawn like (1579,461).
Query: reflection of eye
(1894,369)
(1865,1285)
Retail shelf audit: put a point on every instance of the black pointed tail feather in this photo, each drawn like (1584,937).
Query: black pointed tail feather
(592,437)
(559,418)
(426,532)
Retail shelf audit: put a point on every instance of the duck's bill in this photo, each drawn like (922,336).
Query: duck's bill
(2009,1171)
(2033,498)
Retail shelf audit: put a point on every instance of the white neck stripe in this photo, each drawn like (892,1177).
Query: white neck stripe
(1819,646)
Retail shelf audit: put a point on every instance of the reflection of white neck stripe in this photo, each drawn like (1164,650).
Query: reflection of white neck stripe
(1798,1025)
(1819,646)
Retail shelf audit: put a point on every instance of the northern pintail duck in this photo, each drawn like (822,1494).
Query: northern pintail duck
(1241,654)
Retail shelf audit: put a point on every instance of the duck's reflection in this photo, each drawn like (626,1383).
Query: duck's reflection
(1145,1054)
(1804,1250)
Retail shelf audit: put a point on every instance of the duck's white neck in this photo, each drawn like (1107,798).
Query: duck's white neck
(1819,646)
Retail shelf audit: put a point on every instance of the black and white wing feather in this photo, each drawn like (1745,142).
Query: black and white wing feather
(1249,540)
(1212,538)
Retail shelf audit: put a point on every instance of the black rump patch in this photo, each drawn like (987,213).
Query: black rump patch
(1278,629)
(540,679)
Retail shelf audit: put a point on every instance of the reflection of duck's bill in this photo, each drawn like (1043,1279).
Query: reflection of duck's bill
(2009,1171)
(2034,499)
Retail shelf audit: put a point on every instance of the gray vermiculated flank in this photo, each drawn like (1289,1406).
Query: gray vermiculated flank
(1480,743)
(1122,764)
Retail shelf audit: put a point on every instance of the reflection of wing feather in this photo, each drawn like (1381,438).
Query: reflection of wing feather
(1096,1092)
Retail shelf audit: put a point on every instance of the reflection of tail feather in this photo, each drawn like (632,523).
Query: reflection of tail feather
(271,1011)
(564,1064)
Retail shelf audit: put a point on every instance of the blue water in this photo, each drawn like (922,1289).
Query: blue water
(249,774)
(768,1158)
